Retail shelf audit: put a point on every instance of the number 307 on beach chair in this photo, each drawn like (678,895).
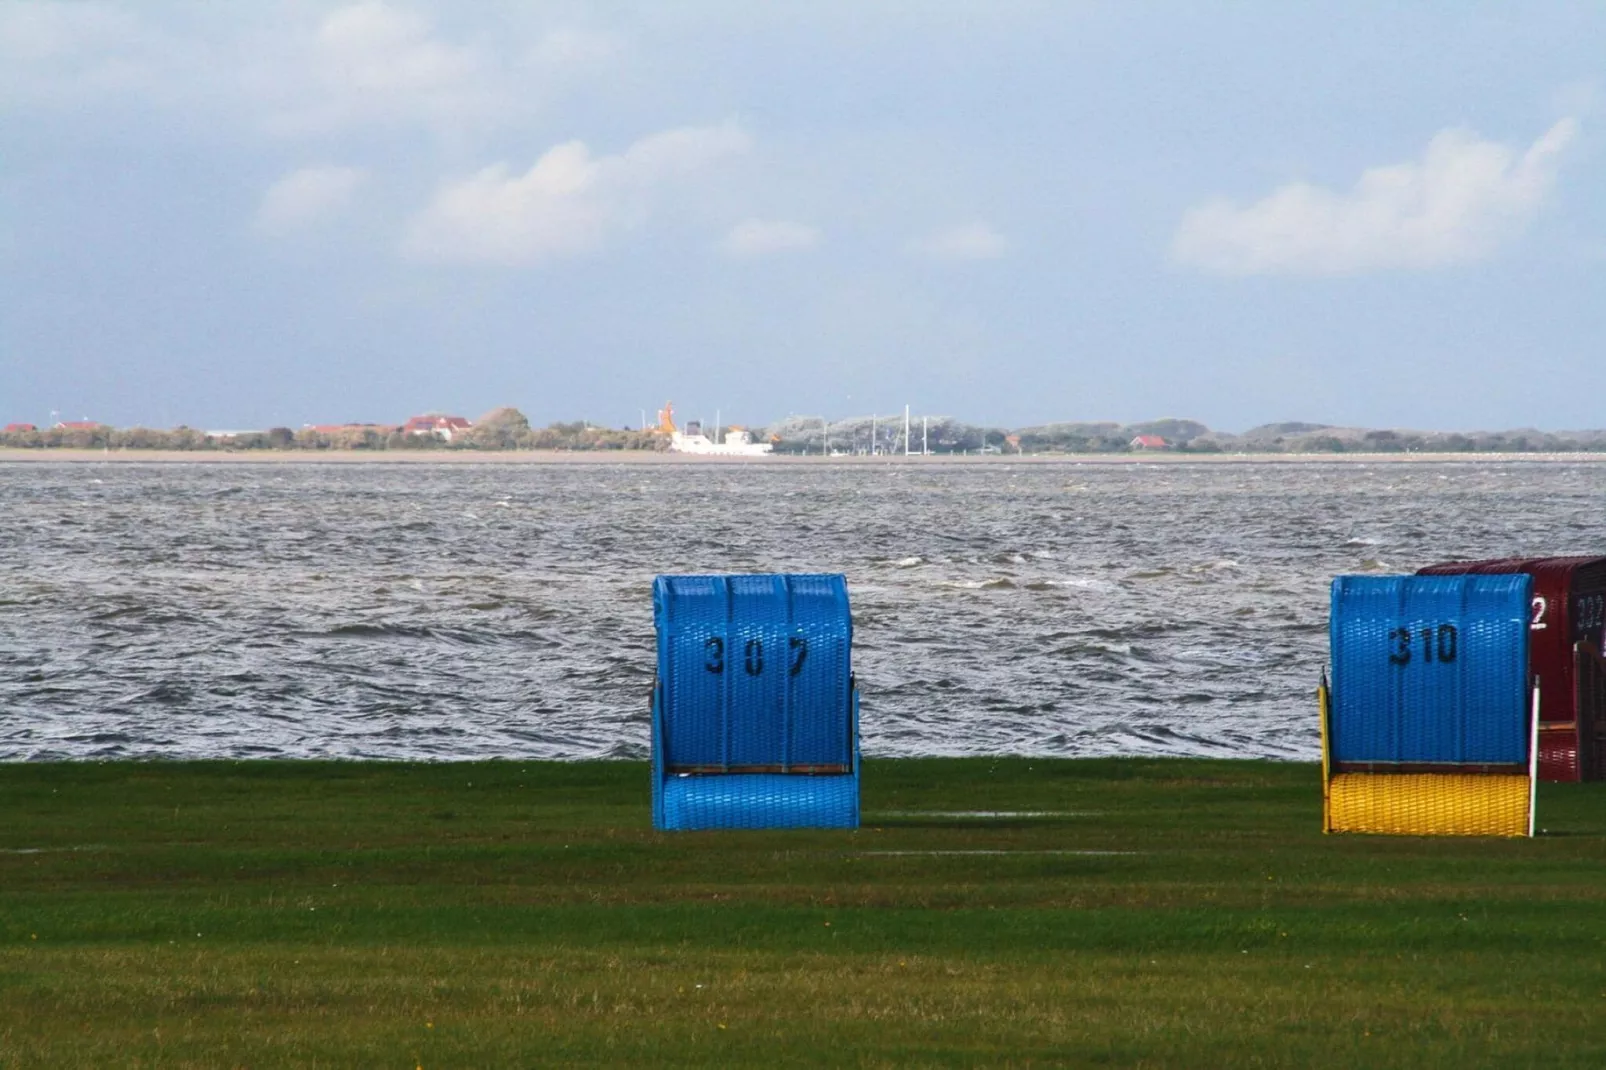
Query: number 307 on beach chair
(1430,724)
(755,716)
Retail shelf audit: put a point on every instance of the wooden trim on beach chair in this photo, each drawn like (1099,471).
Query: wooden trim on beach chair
(1509,768)
(834,769)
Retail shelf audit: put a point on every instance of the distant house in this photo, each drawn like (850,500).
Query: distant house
(1148,442)
(442,427)
(14,428)
(79,425)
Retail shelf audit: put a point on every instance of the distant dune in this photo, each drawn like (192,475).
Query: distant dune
(1170,434)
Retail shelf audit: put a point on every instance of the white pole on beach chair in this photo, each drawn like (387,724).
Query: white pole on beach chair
(1533,760)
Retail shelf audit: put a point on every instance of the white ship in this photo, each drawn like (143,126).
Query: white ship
(738,442)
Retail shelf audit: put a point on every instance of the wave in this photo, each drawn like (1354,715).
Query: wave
(338,612)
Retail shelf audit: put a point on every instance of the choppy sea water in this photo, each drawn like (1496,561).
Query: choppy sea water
(441,612)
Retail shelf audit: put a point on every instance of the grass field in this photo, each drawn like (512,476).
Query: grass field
(1103,912)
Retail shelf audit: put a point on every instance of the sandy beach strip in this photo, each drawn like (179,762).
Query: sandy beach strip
(644,457)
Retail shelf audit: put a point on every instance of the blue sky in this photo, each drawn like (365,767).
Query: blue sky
(242,215)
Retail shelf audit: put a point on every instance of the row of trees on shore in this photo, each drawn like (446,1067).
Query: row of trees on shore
(942,434)
(509,429)
(501,429)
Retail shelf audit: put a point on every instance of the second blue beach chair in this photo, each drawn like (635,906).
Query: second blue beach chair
(1430,727)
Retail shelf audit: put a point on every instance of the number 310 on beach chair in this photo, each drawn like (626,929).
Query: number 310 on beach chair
(1429,727)
(755,717)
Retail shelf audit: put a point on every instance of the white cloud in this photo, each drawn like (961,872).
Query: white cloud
(299,69)
(568,203)
(375,63)
(307,195)
(681,151)
(968,241)
(61,53)
(1454,205)
(761,237)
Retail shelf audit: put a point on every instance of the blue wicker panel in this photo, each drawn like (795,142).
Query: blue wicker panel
(759,801)
(819,669)
(755,670)
(692,615)
(1430,669)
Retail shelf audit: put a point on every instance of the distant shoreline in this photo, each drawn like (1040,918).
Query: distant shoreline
(645,457)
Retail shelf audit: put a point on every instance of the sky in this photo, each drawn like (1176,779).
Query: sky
(1014,212)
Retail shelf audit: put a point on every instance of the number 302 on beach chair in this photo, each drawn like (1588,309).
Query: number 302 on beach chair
(1430,725)
(755,716)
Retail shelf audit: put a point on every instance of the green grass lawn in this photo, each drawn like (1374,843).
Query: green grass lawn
(1122,912)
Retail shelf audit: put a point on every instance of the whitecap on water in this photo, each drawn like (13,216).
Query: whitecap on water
(1210,566)
(1077,583)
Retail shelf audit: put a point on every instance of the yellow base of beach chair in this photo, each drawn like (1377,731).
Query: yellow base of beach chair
(1429,804)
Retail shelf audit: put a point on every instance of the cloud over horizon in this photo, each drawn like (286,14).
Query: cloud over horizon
(373,62)
(306,195)
(1456,204)
(569,202)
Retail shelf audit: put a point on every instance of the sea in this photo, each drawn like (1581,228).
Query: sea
(465,611)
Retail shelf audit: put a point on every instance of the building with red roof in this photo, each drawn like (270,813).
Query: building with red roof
(443,427)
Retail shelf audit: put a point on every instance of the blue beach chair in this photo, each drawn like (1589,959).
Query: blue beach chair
(755,716)
(1430,727)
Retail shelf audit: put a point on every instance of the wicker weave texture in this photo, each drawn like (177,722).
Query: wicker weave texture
(760,801)
(1430,669)
(1429,804)
(755,693)
(755,669)
(1558,754)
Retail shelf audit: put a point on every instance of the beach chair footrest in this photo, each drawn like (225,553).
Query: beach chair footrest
(759,801)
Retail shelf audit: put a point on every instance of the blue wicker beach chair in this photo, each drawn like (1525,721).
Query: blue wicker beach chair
(755,716)
(1429,728)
